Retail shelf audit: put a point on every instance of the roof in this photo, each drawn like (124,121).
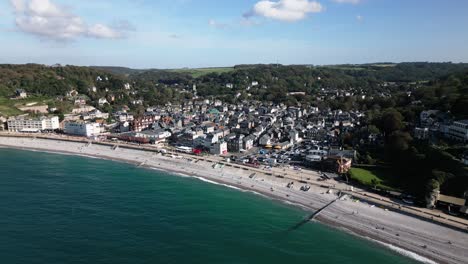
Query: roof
(451,200)
(465,121)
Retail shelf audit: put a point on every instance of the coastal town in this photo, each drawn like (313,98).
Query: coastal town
(258,134)
(261,131)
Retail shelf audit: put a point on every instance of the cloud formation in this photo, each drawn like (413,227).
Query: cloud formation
(354,2)
(47,20)
(285,10)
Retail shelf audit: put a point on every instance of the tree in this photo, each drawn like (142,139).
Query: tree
(399,142)
(432,185)
(391,121)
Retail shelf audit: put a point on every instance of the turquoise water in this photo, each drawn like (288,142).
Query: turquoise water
(66,209)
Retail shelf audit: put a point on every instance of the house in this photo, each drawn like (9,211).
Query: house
(80,101)
(137,102)
(427,118)
(248,142)
(102,101)
(209,128)
(72,93)
(265,140)
(421,133)
(294,136)
(20,93)
(94,115)
(82,109)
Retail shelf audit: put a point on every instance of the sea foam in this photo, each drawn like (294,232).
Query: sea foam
(404,252)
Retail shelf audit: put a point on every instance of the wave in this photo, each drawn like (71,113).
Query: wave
(404,252)
(217,183)
(295,204)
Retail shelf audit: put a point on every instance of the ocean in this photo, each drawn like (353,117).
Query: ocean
(67,209)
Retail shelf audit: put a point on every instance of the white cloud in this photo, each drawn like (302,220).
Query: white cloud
(216,24)
(103,31)
(285,10)
(354,2)
(47,20)
(18,5)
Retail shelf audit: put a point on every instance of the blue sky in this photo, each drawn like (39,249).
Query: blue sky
(205,33)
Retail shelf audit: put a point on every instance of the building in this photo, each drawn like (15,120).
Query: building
(265,140)
(294,136)
(464,158)
(458,130)
(344,153)
(452,204)
(219,148)
(142,123)
(20,93)
(23,124)
(2,123)
(82,129)
(236,144)
(102,101)
(248,142)
(421,133)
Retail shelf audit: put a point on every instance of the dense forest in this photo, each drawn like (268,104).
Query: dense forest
(274,80)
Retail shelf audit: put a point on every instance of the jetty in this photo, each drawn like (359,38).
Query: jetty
(315,214)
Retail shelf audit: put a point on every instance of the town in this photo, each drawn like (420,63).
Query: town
(257,133)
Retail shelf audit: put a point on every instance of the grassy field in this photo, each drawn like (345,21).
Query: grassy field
(9,107)
(369,177)
(197,72)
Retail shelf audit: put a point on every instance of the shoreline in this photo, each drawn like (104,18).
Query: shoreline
(411,233)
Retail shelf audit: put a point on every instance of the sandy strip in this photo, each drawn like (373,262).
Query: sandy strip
(402,233)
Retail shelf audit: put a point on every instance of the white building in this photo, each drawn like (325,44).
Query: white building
(82,129)
(102,101)
(459,130)
(23,124)
(20,93)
